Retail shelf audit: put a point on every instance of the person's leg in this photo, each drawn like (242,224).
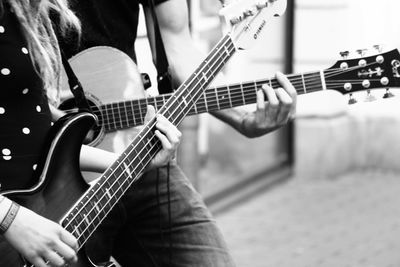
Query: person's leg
(174,229)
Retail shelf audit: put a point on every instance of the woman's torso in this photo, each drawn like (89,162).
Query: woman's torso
(24,112)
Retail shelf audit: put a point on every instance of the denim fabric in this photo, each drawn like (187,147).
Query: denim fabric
(140,232)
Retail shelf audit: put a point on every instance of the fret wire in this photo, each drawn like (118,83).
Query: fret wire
(107,115)
(134,111)
(126,114)
(113,116)
(120,114)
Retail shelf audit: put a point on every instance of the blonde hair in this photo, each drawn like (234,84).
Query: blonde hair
(34,16)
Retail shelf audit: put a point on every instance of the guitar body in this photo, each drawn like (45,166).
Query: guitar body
(107,75)
(60,183)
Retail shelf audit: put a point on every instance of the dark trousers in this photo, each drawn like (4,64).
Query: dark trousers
(144,230)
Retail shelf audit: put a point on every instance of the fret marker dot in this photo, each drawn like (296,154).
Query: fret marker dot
(24,50)
(7,157)
(2,29)
(38,108)
(2,110)
(25,91)
(34,167)
(26,130)
(5,71)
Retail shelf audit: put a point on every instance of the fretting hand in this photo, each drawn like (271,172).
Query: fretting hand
(271,114)
(169,136)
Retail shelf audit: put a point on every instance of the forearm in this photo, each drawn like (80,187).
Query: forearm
(234,117)
(96,160)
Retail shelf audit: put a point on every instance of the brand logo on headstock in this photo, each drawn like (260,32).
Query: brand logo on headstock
(369,73)
(395,69)
(259,29)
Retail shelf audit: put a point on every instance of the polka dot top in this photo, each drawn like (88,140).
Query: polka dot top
(24,112)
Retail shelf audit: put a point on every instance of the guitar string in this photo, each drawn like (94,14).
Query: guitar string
(150,126)
(118,120)
(235,99)
(298,81)
(234,96)
(209,94)
(104,106)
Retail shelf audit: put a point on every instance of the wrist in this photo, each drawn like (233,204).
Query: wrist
(244,128)
(8,219)
(5,204)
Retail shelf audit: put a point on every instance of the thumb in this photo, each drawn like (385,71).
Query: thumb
(149,114)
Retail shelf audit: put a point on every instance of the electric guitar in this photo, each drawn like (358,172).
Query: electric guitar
(103,83)
(61,193)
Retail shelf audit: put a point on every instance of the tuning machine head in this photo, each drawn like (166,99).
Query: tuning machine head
(262,4)
(352,100)
(362,51)
(344,54)
(378,48)
(388,94)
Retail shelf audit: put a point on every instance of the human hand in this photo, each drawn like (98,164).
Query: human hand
(169,136)
(42,242)
(271,114)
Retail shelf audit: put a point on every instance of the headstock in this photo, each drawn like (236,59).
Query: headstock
(381,70)
(248,18)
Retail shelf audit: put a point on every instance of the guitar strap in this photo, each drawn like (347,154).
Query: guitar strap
(75,86)
(163,76)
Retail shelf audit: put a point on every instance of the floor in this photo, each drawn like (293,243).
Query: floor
(350,221)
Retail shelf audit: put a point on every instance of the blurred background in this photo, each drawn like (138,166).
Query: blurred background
(325,190)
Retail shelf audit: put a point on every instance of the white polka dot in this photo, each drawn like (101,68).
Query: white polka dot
(2,30)
(25,91)
(2,110)
(24,50)
(26,130)
(7,157)
(6,152)
(52,123)
(5,71)
(34,167)
(38,108)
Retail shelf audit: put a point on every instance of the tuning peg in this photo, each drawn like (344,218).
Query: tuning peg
(369,97)
(344,54)
(261,5)
(235,20)
(352,100)
(378,48)
(248,13)
(361,52)
(388,94)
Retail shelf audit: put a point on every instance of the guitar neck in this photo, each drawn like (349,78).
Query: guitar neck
(96,203)
(127,114)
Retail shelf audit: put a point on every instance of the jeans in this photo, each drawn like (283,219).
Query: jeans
(145,229)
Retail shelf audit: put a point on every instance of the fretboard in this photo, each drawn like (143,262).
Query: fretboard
(126,114)
(98,201)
